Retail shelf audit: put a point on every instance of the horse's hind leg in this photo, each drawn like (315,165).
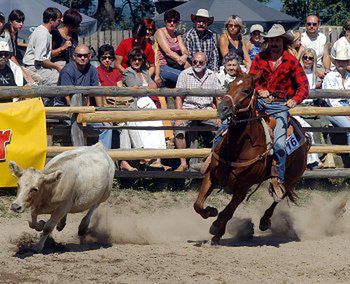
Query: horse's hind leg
(204,191)
(219,226)
(265,221)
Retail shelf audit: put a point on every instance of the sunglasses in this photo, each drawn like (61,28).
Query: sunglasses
(4,54)
(233,26)
(312,24)
(201,21)
(137,59)
(195,62)
(308,58)
(80,55)
(150,29)
(107,57)
(172,21)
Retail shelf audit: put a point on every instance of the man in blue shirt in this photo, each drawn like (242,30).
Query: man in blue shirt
(80,72)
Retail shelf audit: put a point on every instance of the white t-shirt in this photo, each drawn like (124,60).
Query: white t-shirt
(311,77)
(316,44)
(333,80)
(224,78)
(341,44)
(39,46)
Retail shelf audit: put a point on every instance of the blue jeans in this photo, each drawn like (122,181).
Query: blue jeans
(341,121)
(280,133)
(104,135)
(169,74)
(222,128)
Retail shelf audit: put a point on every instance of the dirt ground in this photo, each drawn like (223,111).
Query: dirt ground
(145,237)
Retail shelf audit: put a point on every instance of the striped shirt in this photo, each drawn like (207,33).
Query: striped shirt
(189,80)
(206,43)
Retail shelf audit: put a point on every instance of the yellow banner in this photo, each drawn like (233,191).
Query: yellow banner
(22,137)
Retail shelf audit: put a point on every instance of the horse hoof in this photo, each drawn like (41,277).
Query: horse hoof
(264,224)
(214,230)
(212,212)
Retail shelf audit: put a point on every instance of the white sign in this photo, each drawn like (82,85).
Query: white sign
(292,144)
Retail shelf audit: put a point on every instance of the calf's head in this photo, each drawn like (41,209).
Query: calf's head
(31,182)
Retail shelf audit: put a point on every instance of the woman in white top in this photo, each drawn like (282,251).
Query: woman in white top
(343,43)
(339,79)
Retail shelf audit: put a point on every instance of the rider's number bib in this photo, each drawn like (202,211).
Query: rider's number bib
(292,144)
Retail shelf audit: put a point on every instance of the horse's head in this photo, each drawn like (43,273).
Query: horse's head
(240,98)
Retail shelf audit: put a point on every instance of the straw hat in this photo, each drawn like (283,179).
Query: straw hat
(202,13)
(276,31)
(341,54)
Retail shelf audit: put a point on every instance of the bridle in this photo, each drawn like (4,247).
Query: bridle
(248,108)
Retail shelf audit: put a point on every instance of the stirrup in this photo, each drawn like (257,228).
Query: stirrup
(277,190)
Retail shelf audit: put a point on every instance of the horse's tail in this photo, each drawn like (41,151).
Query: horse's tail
(293,197)
(308,140)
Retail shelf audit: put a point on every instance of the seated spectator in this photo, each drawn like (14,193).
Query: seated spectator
(137,75)
(9,33)
(197,76)
(255,40)
(2,20)
(201,39)
(343,43)
(80,72)
(229,69)
(37,58)
(138,40)
(316,40)
(65,39)
(172,52)
(295,47)
(339,79)
(10,73)
(232,40)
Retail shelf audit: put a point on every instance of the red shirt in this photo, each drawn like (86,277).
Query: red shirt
(126,45)
(109,78)
(287,81)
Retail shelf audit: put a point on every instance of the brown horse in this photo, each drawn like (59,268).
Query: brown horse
(241,159)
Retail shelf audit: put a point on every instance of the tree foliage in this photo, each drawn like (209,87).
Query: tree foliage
(111,17)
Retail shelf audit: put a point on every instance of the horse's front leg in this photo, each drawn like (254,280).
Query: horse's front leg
(265,221)
(219,226)
(205,190)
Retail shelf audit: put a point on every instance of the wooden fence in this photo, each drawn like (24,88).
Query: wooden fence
(86,114)
(115,37)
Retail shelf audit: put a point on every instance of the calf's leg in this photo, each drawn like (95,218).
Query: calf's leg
(34,224)
(62,223)
(84,224)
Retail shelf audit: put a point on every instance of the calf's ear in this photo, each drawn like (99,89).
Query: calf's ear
(52,177)
(15,169)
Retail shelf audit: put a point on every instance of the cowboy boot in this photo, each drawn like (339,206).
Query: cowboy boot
(277,189)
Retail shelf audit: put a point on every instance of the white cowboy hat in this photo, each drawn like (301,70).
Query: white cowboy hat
(256,27)
(276,31)
(341,54)
(202,13)
(4,46)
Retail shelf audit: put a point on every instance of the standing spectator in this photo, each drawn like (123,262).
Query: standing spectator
(65,39)
(339,79)
(138,40)
(201,39)
(197,76)
(312,38)
(37,58)
(172,52)
(80,72)
(10,73)
(281,86)
(9,33)
(295,47)
(232,40)
(255,40)
(343,43)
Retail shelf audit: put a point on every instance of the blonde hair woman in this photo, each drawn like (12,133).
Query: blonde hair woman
(295,47)
(308,62)
(232,40)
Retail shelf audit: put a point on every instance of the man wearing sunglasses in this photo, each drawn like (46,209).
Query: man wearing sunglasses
(197,76)
(312,38)
(201,39)
(80,72)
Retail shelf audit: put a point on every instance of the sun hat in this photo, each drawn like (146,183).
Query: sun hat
(4,46)
(256,27)
(202,13)
(276,31)
(341,54)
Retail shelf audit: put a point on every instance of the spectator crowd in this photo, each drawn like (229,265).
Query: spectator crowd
(156,58)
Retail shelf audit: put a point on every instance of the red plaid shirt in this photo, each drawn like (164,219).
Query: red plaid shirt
(287,81)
